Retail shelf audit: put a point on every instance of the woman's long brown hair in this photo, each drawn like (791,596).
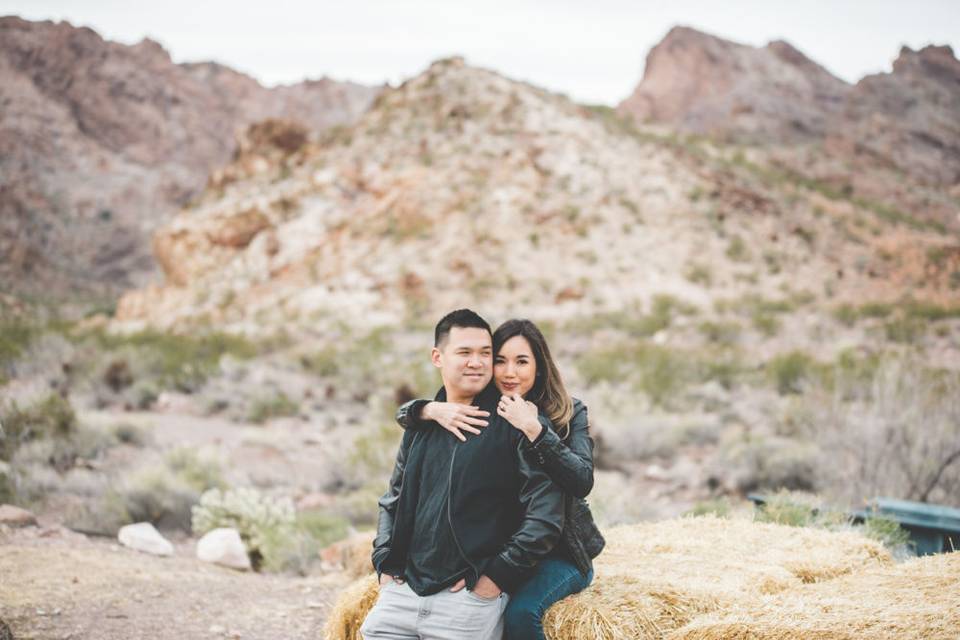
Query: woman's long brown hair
(548,392)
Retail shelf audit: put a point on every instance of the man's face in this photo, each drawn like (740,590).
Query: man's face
(465,361)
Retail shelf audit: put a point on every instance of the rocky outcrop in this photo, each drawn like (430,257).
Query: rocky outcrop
(909,118)
(859,141)
(101,142)
(707,85)
(463,186)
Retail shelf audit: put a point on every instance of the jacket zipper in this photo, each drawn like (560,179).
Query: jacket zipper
(453,532)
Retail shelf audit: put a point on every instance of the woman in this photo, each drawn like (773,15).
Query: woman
(529,381)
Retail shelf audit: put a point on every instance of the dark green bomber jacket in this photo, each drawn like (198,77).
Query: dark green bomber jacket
(504,512)
(568,462)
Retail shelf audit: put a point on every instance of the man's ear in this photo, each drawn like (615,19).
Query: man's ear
(436,358)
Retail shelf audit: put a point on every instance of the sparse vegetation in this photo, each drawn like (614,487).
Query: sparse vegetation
(790,371)
(274,405)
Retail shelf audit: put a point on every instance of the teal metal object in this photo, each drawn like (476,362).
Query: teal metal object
(933,528)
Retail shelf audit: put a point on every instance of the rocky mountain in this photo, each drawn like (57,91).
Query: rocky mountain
(702,84)
(464,187)
(100,142)
(892,137)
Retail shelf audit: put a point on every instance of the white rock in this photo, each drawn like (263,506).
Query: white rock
(223,547)
(144,537)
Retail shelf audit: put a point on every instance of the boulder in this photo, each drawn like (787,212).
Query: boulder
(224,547)
(143,536)
(16,517)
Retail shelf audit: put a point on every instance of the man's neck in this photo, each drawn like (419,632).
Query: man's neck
(453,396)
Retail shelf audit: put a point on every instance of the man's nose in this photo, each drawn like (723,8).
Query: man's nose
(475,361)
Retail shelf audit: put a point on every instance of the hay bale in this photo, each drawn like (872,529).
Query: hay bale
(350,555)
(916,600)
(654,578)
(351,608)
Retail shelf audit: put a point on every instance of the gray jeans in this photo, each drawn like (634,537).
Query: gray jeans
(400,614)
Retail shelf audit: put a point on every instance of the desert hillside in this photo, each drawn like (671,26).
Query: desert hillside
(100,142)
(749,271)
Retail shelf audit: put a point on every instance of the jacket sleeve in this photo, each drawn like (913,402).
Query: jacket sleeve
(408,415)
(570,463)
(388,506)
(541,502)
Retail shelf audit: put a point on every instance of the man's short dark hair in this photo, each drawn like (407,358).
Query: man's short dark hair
(463,318)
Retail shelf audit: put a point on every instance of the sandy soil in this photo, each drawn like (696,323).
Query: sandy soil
(56,584)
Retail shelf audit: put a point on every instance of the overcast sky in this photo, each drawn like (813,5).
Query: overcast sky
(593,51)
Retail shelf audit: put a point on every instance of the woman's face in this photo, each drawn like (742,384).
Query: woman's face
(514,367)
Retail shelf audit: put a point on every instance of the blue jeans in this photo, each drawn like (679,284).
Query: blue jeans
(553,580)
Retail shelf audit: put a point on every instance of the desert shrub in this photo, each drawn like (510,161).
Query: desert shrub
(276,405)
(15,335)
(126,433)
(200,472)
(164,494)
(790,371)
(722,333)
(790,508)
(892,431)
(699,274)
(172,361)
(295,548)
(771,463)
(904,329)
(886,531)
(49,417)
(633,321)
(719,507)
(765,322)
(7,487)
(263,522)
(658,371)
(737,250)
(158,496)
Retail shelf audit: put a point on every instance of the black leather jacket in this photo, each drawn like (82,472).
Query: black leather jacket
(504,512)
(568,462)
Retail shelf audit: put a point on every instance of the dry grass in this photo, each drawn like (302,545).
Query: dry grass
(351,608)
(919,599)
(654,578)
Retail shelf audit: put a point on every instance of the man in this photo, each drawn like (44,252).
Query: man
(462,523)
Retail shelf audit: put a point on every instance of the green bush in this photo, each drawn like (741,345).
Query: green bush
(15,336)
(50,417)
(264,523)
(199,472)
(274,406)
(719,507)
(790,371)
(886,531)
(295,548)
(789,508)
(905,330)
(722,333)
(737,250)
(158,496)
(174,361)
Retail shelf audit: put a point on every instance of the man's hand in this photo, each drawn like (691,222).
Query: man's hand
(487,588)
(455,417)
(521,414)
(386,577)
